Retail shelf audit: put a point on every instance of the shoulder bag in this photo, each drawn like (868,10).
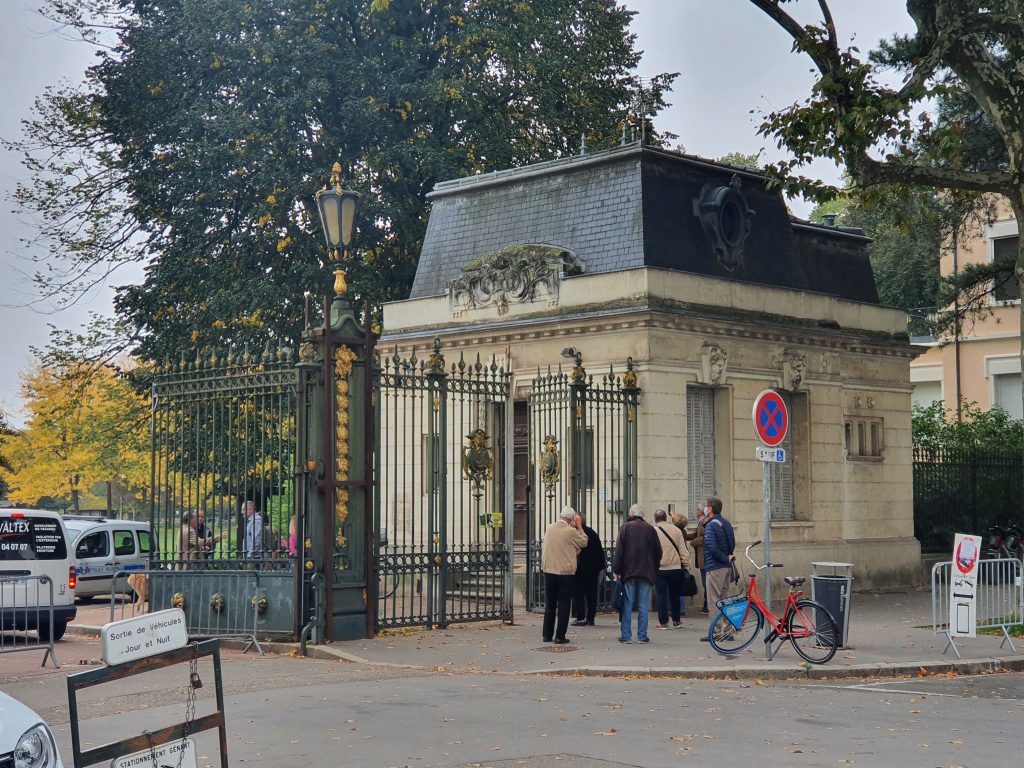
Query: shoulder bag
(689,586)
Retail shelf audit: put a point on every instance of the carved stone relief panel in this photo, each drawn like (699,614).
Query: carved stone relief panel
(793,368)
(714,361)
(517,274)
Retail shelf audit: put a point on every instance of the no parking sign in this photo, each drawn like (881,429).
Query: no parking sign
(771,418)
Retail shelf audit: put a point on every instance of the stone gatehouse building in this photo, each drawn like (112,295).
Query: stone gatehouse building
(696,274)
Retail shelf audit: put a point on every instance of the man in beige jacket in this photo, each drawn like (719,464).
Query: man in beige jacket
(563,539)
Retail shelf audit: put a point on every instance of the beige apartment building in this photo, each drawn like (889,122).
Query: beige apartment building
(983,365)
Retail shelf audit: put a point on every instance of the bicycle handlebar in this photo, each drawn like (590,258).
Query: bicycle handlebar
(756,566)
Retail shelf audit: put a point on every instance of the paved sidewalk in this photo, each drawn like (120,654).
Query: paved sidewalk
(890,634)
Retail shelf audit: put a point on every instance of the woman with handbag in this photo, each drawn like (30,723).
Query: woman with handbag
(674,558)
(697,540)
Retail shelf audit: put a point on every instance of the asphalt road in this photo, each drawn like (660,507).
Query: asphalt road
(284,711)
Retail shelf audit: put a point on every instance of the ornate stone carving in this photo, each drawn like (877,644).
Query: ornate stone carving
(714,361)
(550,465)
(794,369)
(515,274)
(725,217)
(478,461)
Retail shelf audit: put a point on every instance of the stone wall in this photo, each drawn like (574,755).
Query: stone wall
(841,361)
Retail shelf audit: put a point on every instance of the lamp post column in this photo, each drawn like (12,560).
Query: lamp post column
(343,526)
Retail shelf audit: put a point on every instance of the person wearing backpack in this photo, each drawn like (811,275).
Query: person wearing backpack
(674,558)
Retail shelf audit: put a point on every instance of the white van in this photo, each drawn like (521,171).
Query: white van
(35,543)
(103,547)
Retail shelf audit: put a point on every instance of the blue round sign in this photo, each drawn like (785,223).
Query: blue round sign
(771,418)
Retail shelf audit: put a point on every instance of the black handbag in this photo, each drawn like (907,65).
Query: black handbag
(689,586)
(619,595)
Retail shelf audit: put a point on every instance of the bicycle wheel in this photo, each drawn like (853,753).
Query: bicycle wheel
(813,632)
(725,638)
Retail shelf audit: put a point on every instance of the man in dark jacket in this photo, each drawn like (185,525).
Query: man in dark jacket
(590,562)
(636,561)
(719,543)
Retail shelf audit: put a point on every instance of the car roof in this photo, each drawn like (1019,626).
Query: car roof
(36,512)
(82,523)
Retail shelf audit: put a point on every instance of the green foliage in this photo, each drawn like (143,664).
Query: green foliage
(936,427)
(198,139)
(743,160)
(965,57)
(907,238)
(6,432)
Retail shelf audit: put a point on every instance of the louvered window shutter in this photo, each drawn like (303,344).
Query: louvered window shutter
(700,444)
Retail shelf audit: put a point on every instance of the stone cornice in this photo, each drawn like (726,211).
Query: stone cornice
(699,320)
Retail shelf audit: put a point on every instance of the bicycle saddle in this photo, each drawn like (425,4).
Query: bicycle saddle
(794,581)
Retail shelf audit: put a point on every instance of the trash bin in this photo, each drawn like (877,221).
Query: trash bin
(833,590)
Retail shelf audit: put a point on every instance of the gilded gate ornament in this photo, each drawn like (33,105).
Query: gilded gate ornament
(343,360)
(478,461)
(550,465)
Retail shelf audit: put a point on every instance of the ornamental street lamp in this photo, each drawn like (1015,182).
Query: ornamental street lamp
(338,216)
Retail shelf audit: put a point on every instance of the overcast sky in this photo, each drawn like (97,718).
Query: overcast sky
(730,57)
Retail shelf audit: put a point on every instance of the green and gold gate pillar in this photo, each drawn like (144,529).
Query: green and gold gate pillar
(578,453)
(630,448)
(340,439)
(437,423)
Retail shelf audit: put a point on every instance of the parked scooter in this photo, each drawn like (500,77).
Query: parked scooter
(995,543)
(1014,541)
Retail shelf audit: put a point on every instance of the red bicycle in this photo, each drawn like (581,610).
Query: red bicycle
(805,623)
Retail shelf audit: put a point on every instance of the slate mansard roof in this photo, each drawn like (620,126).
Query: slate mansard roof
(633,207)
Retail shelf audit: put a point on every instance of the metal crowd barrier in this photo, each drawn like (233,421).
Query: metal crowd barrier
(26,603)
(999,598)
(128,605)
(222,604)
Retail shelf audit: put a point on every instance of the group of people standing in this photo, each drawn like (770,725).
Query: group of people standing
(258,538)
(646,557)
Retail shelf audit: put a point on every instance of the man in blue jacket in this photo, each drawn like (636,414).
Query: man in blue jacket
(719,543)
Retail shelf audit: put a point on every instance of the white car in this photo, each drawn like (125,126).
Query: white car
(25,740)
(103,548)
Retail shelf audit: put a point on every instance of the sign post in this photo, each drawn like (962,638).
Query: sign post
(963,587)
(142,644)
(771,424)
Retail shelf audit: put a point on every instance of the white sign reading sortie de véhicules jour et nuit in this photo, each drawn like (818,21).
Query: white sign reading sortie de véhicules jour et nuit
(147,635)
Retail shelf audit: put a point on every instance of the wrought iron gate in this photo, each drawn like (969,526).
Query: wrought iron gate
(583,443)
(224,440)
(443,553)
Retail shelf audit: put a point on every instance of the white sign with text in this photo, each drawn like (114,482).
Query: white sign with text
(771,455)
(963,587)
(142,636)
(167,756)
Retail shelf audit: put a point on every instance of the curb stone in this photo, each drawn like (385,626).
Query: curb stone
(714,672)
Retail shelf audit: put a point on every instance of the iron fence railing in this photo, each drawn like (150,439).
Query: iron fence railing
(443,555)
(965,491)
(223,439)
(583,442)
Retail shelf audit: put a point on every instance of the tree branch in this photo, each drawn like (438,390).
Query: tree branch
(869,171)
(796,30)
